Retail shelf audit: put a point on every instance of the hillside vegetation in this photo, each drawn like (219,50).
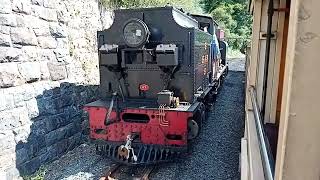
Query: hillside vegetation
(192,6)
(233,16)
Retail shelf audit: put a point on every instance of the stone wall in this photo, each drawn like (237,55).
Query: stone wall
(48,70)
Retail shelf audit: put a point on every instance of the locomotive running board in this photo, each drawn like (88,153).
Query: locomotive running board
(221,72)
(216,83)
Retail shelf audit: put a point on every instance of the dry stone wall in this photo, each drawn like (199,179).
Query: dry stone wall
(48,70)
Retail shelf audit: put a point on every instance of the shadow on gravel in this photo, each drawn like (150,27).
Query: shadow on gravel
(57,126)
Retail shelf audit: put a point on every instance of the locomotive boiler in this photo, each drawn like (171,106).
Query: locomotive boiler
(159,71)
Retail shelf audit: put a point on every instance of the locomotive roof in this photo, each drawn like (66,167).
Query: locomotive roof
(180,11)
(187,20)
(208,17)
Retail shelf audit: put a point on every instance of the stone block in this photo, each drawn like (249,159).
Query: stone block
(47,106)
(12,173)
(57,71)
(5,30)
(6,100)
(21,6)
(5,6)
(29,21)
(67,88)
(62,43)
(85,127)
(63,14)
(58,30)
(30,53)
(37,22)
(8,20)
(8,160)
(6,141)
(35,143)
(72,111)
(22,133)
(50,3)
(74,141)
(39,87)
(42,31)
(22,155)
(32,107)
(76,121)
(45,13)
(47,55)
(48,154)
(37,2)
(14,55)
(61,147)
(21,94)
(75,74)
(23,36)
(61,53)
(29,167)
(39,126)
(30,71)
(9,54)
(24,20)
(58,134)
(66,59)
(14,118)
(64,101)
(9,75)
(47,42)
(5,40)
(42,88)
(55,122)
(45,75)
(53,92)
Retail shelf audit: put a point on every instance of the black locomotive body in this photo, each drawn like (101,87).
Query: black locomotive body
(159,69)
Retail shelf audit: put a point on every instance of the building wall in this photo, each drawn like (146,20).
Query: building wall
(48,70)
(298,155)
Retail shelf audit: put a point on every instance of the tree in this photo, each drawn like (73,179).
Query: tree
(191,6)
(233,17)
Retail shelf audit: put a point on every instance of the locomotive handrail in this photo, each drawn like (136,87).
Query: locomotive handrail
(264,146)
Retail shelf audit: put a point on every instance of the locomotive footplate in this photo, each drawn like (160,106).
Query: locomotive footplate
(145,153)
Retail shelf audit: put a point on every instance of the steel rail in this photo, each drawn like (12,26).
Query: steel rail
(264,146)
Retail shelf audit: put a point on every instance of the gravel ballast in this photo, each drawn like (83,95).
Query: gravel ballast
(213,155)
(236,64)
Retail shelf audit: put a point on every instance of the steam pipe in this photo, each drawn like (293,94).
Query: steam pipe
(264,146)
(267,57)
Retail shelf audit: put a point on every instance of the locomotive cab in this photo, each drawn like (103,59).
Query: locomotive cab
(159,70)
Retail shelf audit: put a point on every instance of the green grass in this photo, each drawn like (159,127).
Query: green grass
(38,175)
(234,54)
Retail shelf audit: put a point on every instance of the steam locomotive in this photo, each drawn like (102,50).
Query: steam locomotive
(160,69)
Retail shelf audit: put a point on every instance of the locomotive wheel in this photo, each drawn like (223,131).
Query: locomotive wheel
(206,113)
(226,71)
(193,129)
(203,114)
(218,85)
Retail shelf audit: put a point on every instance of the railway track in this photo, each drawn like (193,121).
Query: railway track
(117,171)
